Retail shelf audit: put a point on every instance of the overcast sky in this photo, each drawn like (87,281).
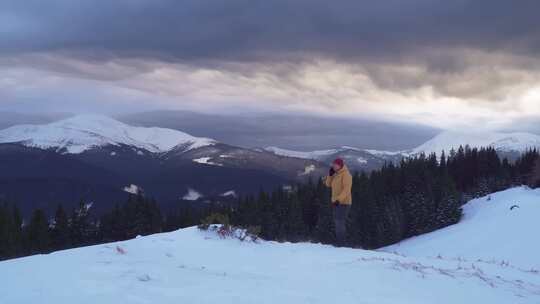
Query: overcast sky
(446,64)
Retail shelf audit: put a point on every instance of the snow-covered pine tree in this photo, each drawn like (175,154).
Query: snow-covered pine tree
(391,225)
(448,207)
(414,208)
(80,226)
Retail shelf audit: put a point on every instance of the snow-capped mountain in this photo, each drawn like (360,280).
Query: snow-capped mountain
(91,134)
(99,158)
(84,132)
(502,142)
(507,144)
(356,159)
(491,257)
(320,155)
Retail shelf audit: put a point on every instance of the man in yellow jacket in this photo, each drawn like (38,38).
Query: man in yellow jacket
(340,180)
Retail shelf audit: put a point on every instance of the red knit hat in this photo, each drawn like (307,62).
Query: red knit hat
(339,162)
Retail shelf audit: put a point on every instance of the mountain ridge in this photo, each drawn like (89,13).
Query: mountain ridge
(504,143)
(80,133)
(94,158)
(83,132)
(500,141)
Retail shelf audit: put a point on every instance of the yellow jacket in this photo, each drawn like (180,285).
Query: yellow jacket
(341,184)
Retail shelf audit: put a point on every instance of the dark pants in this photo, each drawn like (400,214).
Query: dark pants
(340,220)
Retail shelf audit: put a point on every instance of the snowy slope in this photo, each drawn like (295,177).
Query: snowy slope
(192,195)
(502,142)
(190,266)
(83,132)
(490,231)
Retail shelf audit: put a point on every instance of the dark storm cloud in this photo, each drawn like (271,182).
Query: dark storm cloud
(445,63)
(264,30)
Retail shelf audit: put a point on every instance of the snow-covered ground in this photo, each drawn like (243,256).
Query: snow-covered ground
(501,227)
(191,266)
(192,195)
(133,189)
(308,169)
(205,161)
(229,193)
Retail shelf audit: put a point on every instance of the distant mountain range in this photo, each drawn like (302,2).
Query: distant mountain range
(96,158)
(99,159)
(291,131)
(356,159)
(508,145)
(504,143)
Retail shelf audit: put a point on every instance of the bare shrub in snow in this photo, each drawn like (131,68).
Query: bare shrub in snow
(220,224)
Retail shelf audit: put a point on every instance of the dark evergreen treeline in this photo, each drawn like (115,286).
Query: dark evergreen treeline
(419,195)
(41,234)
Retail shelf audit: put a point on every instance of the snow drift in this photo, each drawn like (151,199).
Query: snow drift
(501,228)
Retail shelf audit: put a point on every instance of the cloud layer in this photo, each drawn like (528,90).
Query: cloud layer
(442,63)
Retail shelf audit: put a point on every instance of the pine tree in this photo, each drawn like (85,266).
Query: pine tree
(155,218)
(60,231)
(309,206)
(535,176)
(416,204)
(16,232)
(112,227)
(392,224)
(294,227)
(325,230)
(448,210)
(268,224)
(80,226)
(37,238)
(5,250)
